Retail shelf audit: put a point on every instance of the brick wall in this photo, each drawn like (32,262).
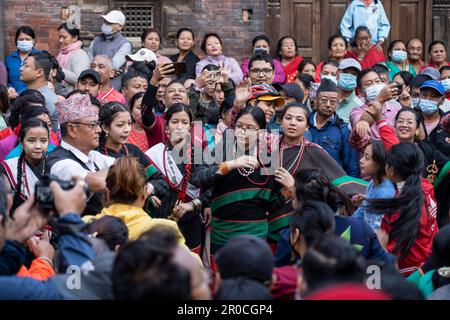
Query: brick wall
(44,16)
(223,17)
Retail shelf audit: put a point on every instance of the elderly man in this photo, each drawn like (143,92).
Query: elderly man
(104,66)
(75,156)
(111,42)
(331,132)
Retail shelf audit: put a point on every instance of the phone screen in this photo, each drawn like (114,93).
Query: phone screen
(180,67)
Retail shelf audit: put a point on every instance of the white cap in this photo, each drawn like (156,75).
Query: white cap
(142,54)
(350,63)
(115,16)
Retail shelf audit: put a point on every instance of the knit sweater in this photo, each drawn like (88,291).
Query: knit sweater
(78,62)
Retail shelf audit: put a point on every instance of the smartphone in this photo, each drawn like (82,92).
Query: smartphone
(180,67)
(215,75)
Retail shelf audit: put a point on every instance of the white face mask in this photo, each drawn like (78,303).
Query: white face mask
(330,77)
(25,45)
(373,91)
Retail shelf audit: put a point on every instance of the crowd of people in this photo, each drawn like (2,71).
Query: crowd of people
(140,176)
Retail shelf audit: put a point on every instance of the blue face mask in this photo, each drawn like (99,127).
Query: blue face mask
(399,56)
(347,81)
(446,84)
(415,102)
(107,29)
(428,107)
(25,45)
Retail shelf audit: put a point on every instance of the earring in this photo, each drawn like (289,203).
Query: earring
(106,134)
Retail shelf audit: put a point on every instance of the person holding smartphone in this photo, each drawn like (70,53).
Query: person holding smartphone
(185,43)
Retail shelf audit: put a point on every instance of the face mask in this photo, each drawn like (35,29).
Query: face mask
(428,107)
(399,55)
(373,91)
(262,50)
(446,84)
(347,81)
(415,102)
(107,29)
(25,45)
(330,77)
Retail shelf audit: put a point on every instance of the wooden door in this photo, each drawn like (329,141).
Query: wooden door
(301,19)
(331,14)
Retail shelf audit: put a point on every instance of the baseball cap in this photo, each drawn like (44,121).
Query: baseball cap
(142,54)
(246,256)
(291,90)
(265,92)
(433,84)
(115,16)
(349,63)
(432,72)
(90,73)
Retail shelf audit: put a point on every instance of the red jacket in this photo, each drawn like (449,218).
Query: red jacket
(428,228)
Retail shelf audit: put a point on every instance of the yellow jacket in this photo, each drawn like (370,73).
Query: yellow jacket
(136,219)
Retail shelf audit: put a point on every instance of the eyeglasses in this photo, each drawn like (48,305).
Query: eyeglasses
(264,71)
(244,129)
(91,126)
(408,122)
(325,101)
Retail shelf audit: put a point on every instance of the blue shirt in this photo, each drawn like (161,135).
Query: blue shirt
(384,190)
(13,64)
(373,17)
(15,153)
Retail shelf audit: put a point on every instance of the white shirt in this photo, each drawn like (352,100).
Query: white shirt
(68,168)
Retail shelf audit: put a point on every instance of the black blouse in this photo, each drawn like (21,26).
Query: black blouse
(191,60)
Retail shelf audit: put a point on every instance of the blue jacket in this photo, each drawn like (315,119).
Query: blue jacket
(333,137)
(13,64)
(374,18)
(74,249)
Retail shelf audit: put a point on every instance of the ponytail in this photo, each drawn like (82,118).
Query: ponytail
(17,197)
(407,161)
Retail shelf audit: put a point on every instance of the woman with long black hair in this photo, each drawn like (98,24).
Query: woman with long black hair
(436,165)
(242,197)
(409,223)
(115,121)
(25,171)
(177,181)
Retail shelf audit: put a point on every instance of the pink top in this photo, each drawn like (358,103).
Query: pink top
(390,110)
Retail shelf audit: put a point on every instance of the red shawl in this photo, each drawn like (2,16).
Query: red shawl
(372,57)
(291,69)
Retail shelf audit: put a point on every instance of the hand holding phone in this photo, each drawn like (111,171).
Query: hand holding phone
(179,68)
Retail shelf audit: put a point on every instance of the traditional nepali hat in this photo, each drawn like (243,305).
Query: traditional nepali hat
(326,85)
(75,108)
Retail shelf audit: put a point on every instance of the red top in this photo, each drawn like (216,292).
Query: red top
(157,133)
(431,64)
(318,71)
(111,96)
(372,57)
(428,228)
(139,139)
(291,69)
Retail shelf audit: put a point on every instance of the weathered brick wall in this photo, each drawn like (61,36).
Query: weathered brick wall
(44,16)
(223,17)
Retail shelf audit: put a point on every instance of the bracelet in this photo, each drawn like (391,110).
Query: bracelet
(50,262)
(196,203)
(224,168)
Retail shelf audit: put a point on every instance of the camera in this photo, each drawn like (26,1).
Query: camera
(44,195)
